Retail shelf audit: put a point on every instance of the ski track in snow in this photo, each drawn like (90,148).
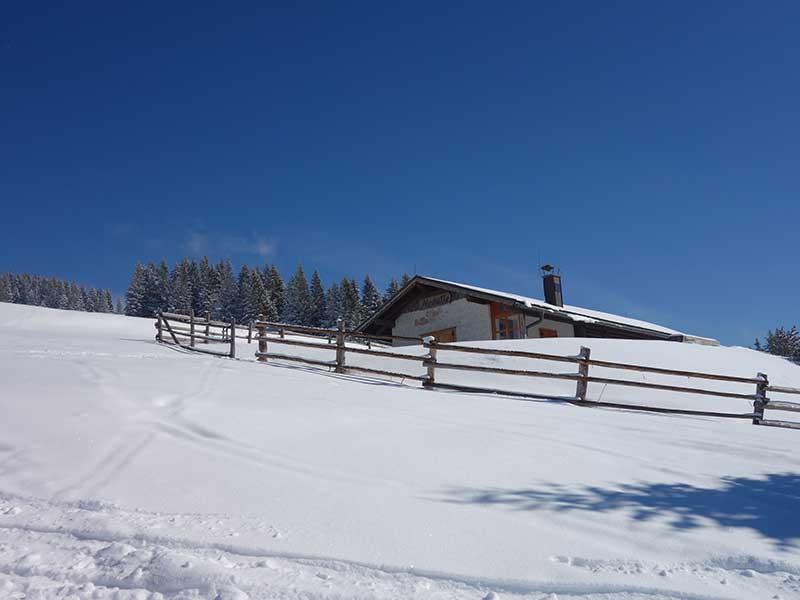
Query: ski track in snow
(98,550)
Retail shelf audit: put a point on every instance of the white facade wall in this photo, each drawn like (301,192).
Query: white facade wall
(563,329)
(471,320)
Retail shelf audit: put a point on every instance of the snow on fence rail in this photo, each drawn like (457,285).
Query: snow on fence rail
(172,327)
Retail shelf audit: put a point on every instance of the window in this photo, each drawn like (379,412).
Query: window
(507,322)
(545,332)
(507,328)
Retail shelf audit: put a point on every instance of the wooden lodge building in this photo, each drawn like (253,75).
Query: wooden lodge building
(454,312)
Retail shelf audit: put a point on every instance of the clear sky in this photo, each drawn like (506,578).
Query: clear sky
(651,150)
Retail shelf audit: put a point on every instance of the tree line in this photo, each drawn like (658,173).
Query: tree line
(52,292)
(203,287)
(781,342)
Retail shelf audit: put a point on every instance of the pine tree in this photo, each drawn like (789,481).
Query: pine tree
(351,303)
(276,289)
(62,301)
(118,308)
(7,287)
(783,342)
(48,290)
(25,290)
(297,307)
(404,280)
(391,290)
(93,301)
(180,288)
(370,298)
(226,303)
(245,311)
(87,301)
(260,301)
(317,312)
(163,287)
(108,301)
(152,292)
(76,297)
(157,295)
(334,305)
(209,287)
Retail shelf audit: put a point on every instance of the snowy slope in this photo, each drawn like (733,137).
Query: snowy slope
(129,469)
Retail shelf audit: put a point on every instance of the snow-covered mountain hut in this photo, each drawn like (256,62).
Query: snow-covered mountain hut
(453,311)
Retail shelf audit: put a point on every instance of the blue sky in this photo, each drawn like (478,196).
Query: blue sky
(648,149)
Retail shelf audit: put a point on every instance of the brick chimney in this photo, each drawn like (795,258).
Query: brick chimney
(552,286)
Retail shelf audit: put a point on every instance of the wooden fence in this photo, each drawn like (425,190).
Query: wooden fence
(201,332)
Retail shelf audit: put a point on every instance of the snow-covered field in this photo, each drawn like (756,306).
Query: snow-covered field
(133,470)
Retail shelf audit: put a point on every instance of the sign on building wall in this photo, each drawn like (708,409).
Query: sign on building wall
(431,302)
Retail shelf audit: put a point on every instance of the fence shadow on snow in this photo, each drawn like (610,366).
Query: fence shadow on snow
(767,506)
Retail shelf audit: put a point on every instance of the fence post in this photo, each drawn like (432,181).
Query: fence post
(160,329)
(208,326)
(340,346)
(262,340)
(761,398)
(430,361)
(583,373)
(191,328)
(282,333)
(250,332)
(233,338)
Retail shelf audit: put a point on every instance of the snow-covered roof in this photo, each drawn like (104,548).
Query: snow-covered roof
(575,313)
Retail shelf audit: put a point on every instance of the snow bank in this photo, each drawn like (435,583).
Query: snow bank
(129,468)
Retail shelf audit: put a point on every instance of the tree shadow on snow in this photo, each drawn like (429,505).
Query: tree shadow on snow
(768,506)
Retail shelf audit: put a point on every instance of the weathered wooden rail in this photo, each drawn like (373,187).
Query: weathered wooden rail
(173,328)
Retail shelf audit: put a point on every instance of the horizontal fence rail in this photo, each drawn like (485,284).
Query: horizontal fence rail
(176,327)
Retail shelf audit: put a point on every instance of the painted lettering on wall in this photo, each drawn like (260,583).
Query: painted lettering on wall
(432,301)
(430,315)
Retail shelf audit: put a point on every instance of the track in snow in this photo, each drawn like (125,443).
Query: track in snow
(97,550)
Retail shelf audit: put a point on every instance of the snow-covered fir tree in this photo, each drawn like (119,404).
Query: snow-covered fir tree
(297,308)
(210,280)
(76,297)
(180,288)
(782,342)
(92,301)
(334,305)
(317,312)
(260,301)
(225,307)
(196,286)
(7,287)
(62,299)
(352,311)
(391,290)
(253,298)
(276,288)
(370,298)
(135,296)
